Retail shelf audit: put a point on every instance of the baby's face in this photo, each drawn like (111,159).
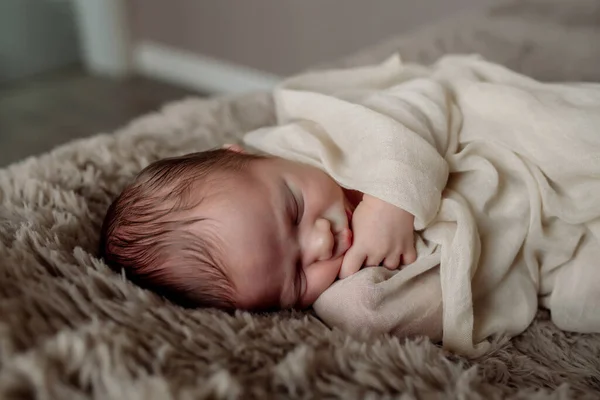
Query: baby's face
(284,228)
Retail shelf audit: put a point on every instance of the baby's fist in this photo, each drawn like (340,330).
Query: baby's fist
(383,235)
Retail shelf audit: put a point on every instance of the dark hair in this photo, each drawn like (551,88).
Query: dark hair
(147,235)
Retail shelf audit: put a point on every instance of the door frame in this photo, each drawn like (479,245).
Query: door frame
(104,36)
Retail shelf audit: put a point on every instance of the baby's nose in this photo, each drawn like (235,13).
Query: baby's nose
(321,241)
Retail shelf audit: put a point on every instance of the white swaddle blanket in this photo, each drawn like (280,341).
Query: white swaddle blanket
(502,173)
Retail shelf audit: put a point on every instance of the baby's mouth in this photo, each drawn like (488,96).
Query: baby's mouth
(349,216)
(343,241)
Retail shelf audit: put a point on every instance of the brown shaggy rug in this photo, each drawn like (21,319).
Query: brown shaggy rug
(72,329)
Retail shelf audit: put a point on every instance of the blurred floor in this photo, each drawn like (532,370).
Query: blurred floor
(40,113)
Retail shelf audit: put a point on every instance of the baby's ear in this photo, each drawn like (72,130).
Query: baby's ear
(234,147)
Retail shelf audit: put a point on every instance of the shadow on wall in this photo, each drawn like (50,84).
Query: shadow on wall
(36,36)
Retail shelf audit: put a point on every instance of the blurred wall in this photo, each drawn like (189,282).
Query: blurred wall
(282,36)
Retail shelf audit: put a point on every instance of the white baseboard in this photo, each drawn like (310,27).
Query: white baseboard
(199,72)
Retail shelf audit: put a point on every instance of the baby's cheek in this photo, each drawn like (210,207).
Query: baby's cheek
(319,277)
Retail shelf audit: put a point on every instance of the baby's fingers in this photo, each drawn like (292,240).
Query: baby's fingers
(353,261)
(392,262)
(409,256)
(374,260)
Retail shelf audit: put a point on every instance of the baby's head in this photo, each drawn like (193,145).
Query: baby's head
(230,230)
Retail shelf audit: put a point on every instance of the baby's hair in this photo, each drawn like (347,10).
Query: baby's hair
(147,230)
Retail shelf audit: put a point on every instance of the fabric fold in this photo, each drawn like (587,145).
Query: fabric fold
(501,172)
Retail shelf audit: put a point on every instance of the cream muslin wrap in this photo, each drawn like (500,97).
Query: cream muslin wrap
(502,173)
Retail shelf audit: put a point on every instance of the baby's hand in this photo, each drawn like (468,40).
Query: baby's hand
(383,235)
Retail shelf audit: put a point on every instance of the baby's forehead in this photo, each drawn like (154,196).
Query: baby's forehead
(252,268)
(235,211)
(256,285)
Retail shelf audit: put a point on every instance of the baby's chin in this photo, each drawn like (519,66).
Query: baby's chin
(324,284)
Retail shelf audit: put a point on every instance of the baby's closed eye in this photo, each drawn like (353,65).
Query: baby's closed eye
(295,204)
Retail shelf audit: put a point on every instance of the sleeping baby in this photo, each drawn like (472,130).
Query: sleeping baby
(227,229)
(449,201)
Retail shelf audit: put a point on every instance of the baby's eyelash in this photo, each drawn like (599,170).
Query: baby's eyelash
(295,212)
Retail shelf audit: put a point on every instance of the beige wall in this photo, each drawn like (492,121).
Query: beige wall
(282,36)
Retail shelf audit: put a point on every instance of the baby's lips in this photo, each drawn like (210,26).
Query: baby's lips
(343,241)
(349,216)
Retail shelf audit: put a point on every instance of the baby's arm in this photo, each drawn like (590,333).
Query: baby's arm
(383,235)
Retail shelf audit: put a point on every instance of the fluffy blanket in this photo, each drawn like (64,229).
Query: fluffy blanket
(502,174)
(72,329)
